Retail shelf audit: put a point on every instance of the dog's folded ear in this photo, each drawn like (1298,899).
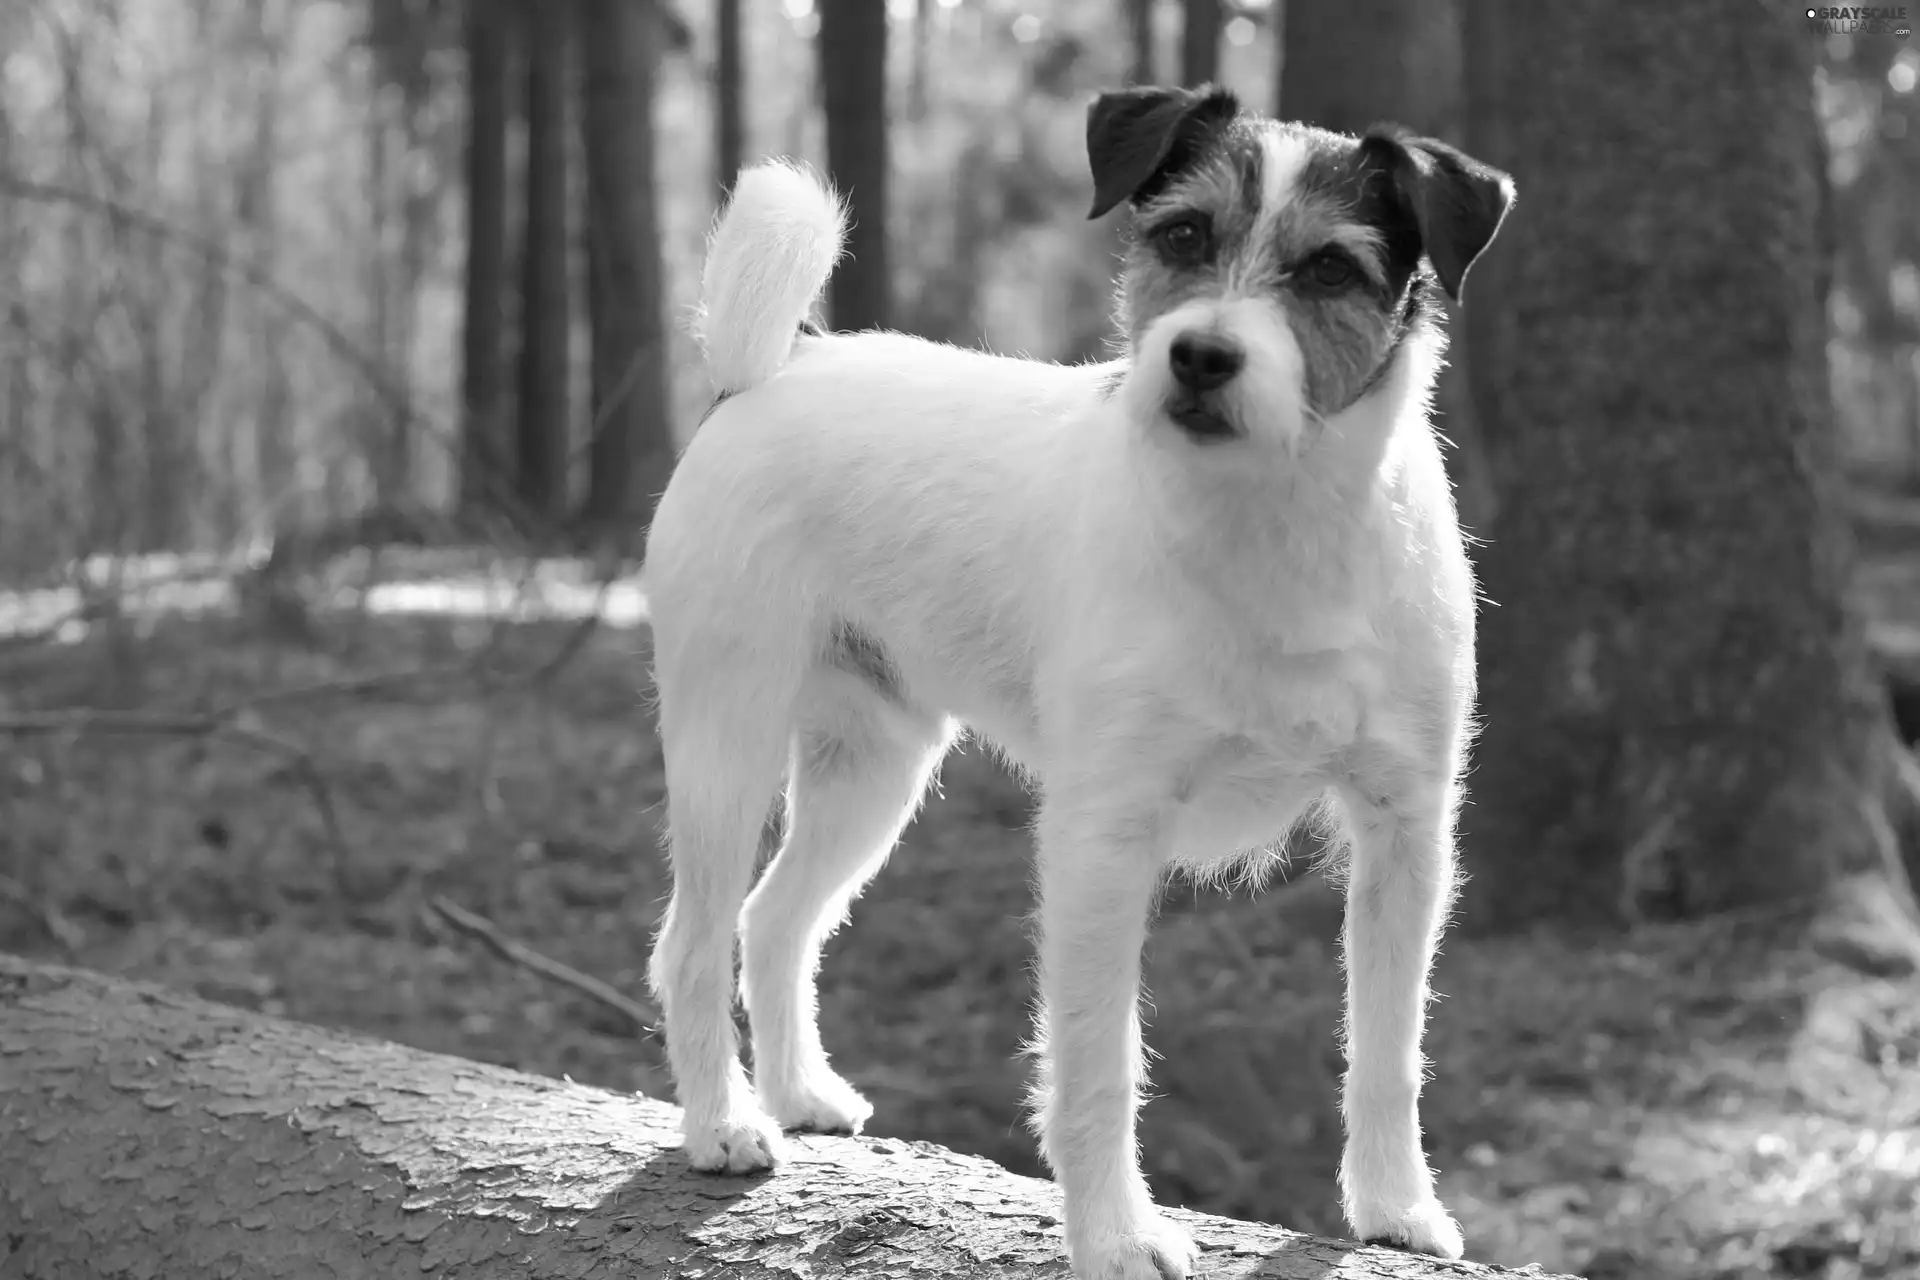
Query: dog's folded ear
(1457,202)
(1138,138)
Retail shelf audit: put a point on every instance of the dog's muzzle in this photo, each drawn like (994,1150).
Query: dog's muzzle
(1201,364)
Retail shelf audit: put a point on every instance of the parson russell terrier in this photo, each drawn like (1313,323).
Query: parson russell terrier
(1194,593)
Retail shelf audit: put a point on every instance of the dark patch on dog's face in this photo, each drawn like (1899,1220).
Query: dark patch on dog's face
(1456,204)
(1138,140)
(1332,230)
(1349,335)
(855,651)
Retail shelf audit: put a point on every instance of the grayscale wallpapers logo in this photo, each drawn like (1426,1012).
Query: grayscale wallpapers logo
(1862,20)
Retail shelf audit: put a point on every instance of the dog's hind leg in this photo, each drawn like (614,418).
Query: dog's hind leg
(861,762)
(724,725)
(1400,887)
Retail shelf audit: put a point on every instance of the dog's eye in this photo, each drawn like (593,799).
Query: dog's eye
(1331,269)
(1183,239)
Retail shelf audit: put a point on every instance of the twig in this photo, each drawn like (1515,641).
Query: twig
(79,720)
(520,684)
(205,725)
(577,639)
(493,804)
(494,479)
(63,931)
(346,687)
(519,953)
(301,762)
(570,648)
(481,662)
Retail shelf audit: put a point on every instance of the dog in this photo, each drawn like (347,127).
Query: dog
(1194,593)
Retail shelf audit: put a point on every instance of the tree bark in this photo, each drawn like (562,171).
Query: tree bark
(1345,67)
(1200,42)
(483,341)
(852,55)
(1680,713)
(632,447)
(153,1134)
(546,316)
(729,128)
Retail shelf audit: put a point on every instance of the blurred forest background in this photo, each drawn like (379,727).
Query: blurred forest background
(342,355)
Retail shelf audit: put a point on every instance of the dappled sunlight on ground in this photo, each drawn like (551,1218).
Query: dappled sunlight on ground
(421,584)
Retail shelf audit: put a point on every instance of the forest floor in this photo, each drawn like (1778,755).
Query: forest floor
(1685,1101)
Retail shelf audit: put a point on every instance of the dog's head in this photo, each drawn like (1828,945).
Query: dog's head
(1275,272)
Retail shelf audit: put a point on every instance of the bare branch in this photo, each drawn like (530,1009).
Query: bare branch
(122,214)
(64,932)
(518,953)
(77,721)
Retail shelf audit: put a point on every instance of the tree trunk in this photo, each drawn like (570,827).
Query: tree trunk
(729,130)
(373,413)
(923,20)
(77,397)
(153,1134)
(483,348)
(1345,67)
(1680,716)
(1200,42)
(852,54)
(545,314)
(201,357)
(417,207)
(31,483)
(268,423)
(167,471)
(1875,206)
(632,449)
(1140,30)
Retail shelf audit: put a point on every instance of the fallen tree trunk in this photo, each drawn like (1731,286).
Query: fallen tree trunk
(144,1133)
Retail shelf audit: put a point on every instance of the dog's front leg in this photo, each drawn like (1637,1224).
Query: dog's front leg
(1401,883)
(1099,872)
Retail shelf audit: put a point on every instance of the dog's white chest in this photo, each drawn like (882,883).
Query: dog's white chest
(1278,750)
(1318,710)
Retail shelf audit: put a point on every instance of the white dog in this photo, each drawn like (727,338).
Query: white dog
(1192,592)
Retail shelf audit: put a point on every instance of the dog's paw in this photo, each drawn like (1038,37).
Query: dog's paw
(741,1144)
(822,1103)
(1426,1228)
(1154,1250)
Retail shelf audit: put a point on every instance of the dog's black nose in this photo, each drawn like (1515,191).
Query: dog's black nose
(1202,362)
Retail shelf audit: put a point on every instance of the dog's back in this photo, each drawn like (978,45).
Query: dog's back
(797,486)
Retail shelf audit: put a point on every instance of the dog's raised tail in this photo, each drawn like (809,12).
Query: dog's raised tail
(769,257)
